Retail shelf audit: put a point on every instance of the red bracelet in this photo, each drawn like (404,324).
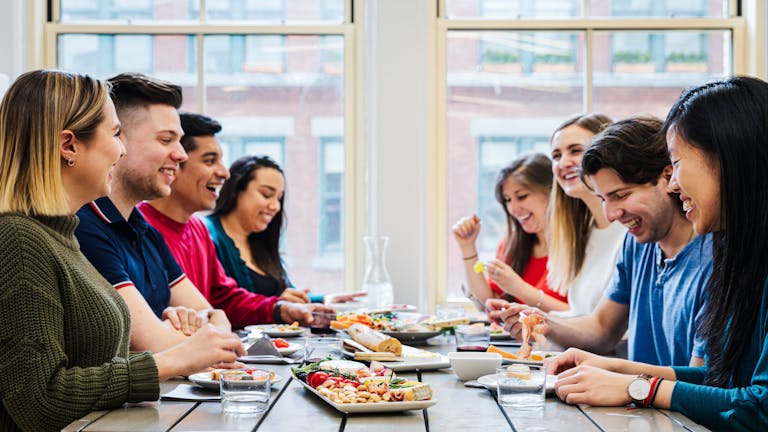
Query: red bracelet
(648,402)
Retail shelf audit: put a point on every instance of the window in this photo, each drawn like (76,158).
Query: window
(510,79)
(272,72)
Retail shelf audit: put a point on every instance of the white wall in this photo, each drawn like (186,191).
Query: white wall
(396,121)
(13,38)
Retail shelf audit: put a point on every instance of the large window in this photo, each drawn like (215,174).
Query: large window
(514,70)
(273,72)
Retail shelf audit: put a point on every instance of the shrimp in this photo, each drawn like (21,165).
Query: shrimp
(532,326)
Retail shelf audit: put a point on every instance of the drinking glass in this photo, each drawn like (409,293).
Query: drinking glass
(472,338)
(245,392)
(521,387)
(318,348)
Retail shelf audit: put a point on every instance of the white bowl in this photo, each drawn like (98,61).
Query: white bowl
(472,365)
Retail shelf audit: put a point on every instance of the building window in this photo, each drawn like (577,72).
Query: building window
(331,195)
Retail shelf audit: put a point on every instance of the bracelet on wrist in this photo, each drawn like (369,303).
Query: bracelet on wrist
(655,384)
(276,316)
(469,257)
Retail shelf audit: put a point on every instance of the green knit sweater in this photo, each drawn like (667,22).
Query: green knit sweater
(64,331)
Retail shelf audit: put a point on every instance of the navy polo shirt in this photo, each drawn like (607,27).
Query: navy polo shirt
(128,253)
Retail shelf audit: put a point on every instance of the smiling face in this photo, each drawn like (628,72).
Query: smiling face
(697,178)
(647,210)
(198,182)
(568,145)
(151,136)
(97,157)
(527,206)
(259,203)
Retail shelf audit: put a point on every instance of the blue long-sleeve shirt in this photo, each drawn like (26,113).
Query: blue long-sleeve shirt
(744,405)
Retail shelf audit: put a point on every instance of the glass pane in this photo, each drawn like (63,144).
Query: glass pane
(279,11)
(507,91)
(644,72)
(283,95)
(170,57)
(660,8)
(129,10)
(512,9)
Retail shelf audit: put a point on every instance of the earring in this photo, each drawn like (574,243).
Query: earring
(70,162)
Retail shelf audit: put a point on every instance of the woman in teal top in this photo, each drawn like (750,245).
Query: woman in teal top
(717,137)
(246,226)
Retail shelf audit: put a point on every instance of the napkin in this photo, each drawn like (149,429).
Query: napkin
(187,392)
(263,351)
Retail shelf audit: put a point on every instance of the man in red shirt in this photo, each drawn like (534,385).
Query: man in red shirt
(196,189)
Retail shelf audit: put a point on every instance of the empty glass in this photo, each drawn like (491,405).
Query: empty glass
(318,348)
(245,392)
(521,386)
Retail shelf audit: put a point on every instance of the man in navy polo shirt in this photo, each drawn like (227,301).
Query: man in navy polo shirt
(117,240)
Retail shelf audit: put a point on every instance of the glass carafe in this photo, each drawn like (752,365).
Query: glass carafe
(376,281)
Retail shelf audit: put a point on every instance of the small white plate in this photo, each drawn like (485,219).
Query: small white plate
(290,349)
(411,336)
(203,379)
(491,382)
(276,330)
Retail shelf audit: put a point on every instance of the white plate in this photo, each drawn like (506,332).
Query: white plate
(290,349)
(274,330)
(378,407)
(411,336)
(545,354)
(415,358)
(203,379)
(491,382)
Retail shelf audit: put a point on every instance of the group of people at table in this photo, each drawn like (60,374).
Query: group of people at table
(110,283)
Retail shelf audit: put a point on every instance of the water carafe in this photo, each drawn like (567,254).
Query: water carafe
(376,282)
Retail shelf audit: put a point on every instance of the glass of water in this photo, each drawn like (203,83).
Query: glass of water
(245,391)
(521,386)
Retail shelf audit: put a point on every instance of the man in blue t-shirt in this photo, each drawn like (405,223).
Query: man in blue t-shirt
(658,287)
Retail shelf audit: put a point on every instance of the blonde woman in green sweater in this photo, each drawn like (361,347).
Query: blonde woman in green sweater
(64,331)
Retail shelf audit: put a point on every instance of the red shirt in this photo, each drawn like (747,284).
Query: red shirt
(535,273)
(190,243)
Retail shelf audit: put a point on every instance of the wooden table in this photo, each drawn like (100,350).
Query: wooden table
(292,408)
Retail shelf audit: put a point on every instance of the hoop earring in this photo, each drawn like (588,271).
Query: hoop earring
(70,162)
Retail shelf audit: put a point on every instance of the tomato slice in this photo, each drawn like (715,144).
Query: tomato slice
(315,379)
(281,343)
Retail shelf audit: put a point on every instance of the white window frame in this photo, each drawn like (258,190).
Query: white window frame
(349,30)
(747,58)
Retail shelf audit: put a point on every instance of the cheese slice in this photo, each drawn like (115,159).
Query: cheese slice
(421,391)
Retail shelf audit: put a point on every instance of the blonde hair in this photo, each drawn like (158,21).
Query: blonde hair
(570,220)
(37,107)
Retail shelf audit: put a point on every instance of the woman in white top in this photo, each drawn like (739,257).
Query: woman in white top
(583,246)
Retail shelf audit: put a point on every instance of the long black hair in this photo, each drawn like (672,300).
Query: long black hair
(728,121)
(265,245)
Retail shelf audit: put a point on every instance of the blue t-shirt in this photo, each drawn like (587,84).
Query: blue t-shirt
(665,298)
(128,252)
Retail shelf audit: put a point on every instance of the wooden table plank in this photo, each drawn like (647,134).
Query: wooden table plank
(298,409)
(685,421)
(146,416)
(624,419)
(553,416)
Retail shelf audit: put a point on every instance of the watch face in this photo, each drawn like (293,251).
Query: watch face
(639,389)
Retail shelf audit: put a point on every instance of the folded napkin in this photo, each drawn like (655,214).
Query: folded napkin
(263,351)
(188,392)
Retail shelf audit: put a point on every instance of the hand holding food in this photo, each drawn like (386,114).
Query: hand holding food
(511,316)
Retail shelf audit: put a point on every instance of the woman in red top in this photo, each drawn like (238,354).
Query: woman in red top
(519,271)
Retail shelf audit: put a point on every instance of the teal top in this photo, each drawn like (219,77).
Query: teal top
(743,405)
(234,266)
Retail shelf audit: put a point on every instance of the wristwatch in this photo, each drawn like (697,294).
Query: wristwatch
(639,389)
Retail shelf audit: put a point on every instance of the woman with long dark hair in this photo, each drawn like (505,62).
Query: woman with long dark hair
(717,136)
(519,271)
(246,226)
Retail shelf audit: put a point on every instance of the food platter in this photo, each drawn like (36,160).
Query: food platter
(491,382)
(378,407)
(203,379)
(277,330)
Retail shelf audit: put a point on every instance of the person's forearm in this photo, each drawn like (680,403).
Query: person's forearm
(583,332)
(535,297)
(636,368)
(476,282)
